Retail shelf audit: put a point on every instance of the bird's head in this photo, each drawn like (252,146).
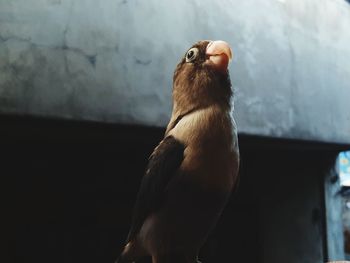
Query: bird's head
(201,79)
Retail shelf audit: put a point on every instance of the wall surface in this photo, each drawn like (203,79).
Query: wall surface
(334,215)
(112,61)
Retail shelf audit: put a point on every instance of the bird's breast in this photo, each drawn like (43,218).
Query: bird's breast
(211,154)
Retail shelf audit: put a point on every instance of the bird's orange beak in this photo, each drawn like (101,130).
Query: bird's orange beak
(219,54)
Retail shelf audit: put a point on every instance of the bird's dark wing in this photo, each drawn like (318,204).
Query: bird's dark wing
(162,167)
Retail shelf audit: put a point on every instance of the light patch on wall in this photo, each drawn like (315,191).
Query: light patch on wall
(344,168)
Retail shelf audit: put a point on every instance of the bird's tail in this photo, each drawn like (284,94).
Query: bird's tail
(121,259)
(175,258)
(131,252)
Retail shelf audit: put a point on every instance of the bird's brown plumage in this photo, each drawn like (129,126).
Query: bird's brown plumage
(194,168)
(195,85)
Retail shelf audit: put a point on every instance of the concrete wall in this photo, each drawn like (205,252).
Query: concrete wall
(334,214)
(113,60)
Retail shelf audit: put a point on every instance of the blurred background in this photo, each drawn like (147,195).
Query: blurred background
(85,94)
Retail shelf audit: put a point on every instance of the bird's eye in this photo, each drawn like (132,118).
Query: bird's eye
(191,54)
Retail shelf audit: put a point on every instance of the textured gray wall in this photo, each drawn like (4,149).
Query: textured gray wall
(334,214)
(113,60)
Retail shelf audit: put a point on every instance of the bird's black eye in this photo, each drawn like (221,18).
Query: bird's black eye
(191,54)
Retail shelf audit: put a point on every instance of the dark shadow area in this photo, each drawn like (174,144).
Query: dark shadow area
(70,188)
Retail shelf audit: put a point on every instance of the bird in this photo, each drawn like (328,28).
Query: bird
(191,173)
